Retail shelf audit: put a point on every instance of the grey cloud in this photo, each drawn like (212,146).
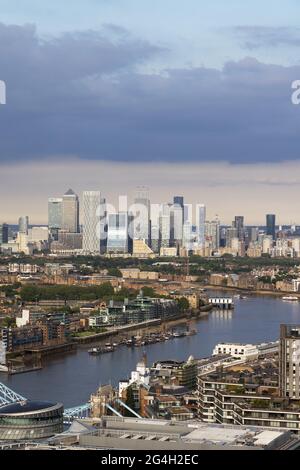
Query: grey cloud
(86,94)
(254,37)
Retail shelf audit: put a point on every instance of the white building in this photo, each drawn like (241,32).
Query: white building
(141,214)
(242,351)
(200,224)
(91,221)
(24,319)
(140,376)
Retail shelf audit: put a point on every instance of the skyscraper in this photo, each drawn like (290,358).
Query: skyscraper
(212,234)
(91,221)
(23,224)
(178,200)
(200,224)
(141,214)
(239,225)
(103,225)
(70,212)
(55,213)
(3,233)
(165,225)
(177,224)
(270,223)
(118,240)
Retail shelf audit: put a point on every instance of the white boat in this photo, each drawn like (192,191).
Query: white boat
(291,298)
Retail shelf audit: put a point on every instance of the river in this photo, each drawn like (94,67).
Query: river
(71,378)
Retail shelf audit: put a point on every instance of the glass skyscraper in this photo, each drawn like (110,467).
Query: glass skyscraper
(3,233)
(270,222)
(55,213)
(118,240)
(141,214)
(23,224)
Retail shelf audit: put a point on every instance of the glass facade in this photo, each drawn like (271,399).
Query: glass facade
(38,421)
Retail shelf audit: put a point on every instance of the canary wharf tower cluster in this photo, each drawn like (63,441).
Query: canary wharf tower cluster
(142,227)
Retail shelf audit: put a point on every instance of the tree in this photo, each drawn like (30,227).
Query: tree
(9,322)
(129,401)
(114,272)
(183,304)
(148,291)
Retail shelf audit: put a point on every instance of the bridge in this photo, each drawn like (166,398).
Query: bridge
(8,396)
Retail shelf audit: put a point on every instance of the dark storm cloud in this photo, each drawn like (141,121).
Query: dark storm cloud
(94,95)
(254,37)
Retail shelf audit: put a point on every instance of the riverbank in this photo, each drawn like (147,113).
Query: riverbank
(239,290)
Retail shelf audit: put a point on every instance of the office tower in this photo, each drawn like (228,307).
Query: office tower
(103,226)
(55,213)
(200,224)
(91,202)
(178,200)
(3,233)
(188,236)
(23,224)
(165,225)
(289,361)
(155,238)
(141,214)
(239,225)
(118,240)
(254,234)
(176,220)
(270,222)
(231,232)
(70,212)
(212,234)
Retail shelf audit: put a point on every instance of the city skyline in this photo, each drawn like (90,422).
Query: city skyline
(225,189)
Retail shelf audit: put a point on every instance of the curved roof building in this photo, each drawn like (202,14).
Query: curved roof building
(30,420)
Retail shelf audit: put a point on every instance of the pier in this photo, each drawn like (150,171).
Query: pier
(224,303)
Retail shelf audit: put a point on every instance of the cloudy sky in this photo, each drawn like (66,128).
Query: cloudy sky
(186,97)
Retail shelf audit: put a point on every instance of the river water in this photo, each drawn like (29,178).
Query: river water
(71,378)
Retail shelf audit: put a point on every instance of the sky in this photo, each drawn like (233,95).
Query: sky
(191,97)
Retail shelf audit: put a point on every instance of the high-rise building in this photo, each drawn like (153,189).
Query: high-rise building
(178,200)
(176,234)
(289,361)
(270,223)
(231,232)
(200,224)
(141,214)
(239,225)
(23,224)
(55,213)
(3,233)
(212,234)
(91,221)
(103,225)
(254,234)
(118,240)
(155,238)
(165,225)
(70,212)
(188,236)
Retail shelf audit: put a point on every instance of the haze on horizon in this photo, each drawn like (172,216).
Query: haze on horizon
(187,98)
